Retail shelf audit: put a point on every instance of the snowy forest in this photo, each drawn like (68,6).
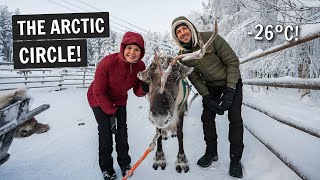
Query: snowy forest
(236,18)
(280,113)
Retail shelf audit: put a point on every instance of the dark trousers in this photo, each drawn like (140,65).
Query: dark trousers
(235,124)
(106,142)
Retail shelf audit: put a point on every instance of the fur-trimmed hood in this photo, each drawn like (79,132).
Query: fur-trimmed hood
(179,20)
(132,38)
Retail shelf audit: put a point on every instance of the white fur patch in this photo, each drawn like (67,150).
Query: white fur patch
(7,96)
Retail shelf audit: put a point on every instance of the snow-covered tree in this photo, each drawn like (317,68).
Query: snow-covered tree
(161,42)
(5,34)
(238,17)
(98,48)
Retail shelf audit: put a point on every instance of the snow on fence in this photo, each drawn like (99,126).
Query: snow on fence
(45,78)
(285,82)
(287,121)
(270,147)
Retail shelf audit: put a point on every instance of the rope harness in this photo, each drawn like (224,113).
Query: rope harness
(150,148)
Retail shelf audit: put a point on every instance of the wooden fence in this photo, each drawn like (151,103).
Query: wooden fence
(283,83)
(45,78)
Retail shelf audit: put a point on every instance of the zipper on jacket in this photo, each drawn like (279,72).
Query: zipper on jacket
(127,77)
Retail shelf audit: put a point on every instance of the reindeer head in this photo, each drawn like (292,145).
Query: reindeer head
(164,88)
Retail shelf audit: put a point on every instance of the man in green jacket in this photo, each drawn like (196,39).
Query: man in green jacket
(217,78)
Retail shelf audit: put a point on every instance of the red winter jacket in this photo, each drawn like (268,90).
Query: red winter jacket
(114,76)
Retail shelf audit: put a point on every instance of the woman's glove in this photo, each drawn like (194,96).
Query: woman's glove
(145,87)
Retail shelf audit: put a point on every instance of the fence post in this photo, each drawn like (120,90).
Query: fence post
(84,76)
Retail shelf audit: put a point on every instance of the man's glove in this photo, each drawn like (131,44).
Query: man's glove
(227,98)
(212,104)
(145,87)
(114,124)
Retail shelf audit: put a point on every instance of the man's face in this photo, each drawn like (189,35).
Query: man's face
(183,34)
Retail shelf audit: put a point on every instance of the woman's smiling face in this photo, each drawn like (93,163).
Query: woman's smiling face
(132,53)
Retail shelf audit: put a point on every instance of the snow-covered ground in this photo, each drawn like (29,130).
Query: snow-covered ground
(70,151)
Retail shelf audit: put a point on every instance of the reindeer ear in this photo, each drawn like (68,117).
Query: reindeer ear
(185,71)
(144,76)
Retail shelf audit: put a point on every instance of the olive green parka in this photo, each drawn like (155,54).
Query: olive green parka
(219,67)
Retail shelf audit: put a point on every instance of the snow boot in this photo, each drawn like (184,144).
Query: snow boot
(235,169)
(206,159)
(111,175)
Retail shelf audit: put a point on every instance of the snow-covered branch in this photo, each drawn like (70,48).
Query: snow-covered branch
(281,47)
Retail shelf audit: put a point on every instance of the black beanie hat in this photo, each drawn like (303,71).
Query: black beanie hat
(179,25)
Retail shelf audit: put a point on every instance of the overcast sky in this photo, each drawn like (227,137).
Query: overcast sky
(150,15)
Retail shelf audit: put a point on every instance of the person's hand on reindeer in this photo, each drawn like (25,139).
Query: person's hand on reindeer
(212,104)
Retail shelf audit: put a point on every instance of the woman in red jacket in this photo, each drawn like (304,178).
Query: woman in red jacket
(107,96)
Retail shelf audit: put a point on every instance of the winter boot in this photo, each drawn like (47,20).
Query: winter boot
(206,159)
(125,170)
(235,169)
(210,137)
(109,175)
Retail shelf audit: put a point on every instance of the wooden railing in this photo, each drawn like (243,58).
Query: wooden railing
(283,83)
(298,83)
(49,78)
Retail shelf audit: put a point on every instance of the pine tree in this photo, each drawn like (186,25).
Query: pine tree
(6,33)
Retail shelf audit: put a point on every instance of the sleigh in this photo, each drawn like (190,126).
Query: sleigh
(10,117)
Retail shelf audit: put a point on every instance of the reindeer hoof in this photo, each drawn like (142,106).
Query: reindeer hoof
(182,163)
(165,138)
(180,168)
(157,164)
(173,135)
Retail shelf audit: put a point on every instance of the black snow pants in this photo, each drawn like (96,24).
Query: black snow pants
(106,142)
(235,123)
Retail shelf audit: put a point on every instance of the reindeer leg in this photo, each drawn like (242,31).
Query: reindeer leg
(182,162)
(164,134)
(160,159)
(174,134)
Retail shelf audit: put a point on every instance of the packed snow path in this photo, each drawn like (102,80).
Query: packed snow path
(70,150)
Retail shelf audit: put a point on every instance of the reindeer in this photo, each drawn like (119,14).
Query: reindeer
(29,127)
(168,96)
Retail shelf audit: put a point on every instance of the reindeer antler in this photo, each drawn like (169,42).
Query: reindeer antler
(163,74)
